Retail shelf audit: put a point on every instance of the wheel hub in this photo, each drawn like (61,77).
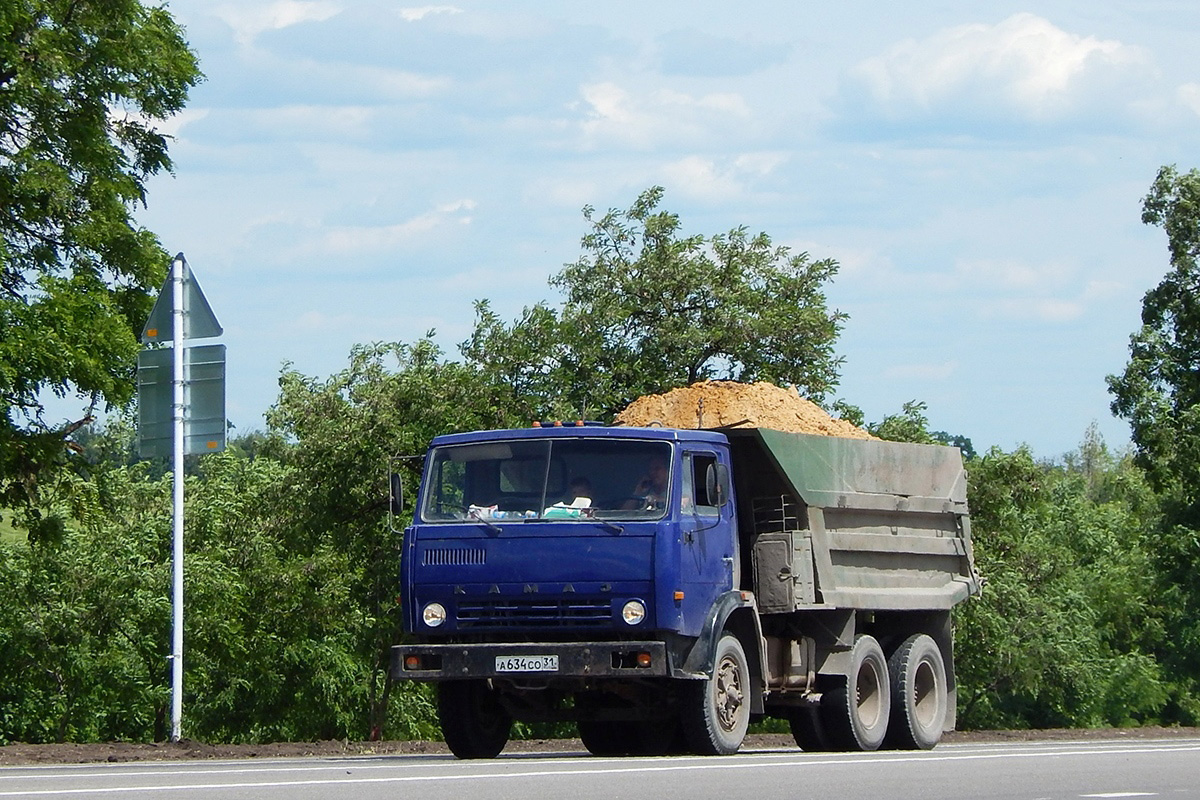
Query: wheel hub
(730,693)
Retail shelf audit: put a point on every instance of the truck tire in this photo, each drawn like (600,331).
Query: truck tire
(856,707)
(808,730)
(604,737)
(474,723)
(659,737)
(716,712)
(919,694)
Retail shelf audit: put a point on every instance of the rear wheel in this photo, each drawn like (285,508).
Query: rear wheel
(855,709)
(919,694)
(604,738)
(808,730)
(716,712)
(474,723)
(660,737)
(653,737)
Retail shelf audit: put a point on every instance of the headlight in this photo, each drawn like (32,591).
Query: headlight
(434,614)
(633,612)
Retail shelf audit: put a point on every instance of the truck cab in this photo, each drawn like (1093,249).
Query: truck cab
(573,570)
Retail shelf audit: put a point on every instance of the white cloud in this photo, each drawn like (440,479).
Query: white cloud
(1189,96)
(573,193)
(923,372)
(359,238)
(996,289)
(664,116)
(171,126)
(708,179)
(1011,274)
(1044,309)
(1024,64)
(310,122)
(713,180)
(700,177)
(760,163)
(417,13)
(248,22)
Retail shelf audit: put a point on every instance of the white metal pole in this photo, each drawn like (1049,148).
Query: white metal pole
(177,527)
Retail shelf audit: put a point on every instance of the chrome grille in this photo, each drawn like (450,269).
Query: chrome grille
(454,557)
(535,613)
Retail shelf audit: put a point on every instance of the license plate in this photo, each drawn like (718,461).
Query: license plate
(526,663)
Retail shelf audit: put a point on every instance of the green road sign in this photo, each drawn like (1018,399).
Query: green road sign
(203,401)
(199,321)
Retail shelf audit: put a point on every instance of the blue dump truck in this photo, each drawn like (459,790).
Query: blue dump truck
(664,588)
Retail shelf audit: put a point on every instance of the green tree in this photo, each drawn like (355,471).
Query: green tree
(910,425)
(1159,394)
(1159,391)
(82,84)
(1067,629)
(648,308)
(345,433)
(274,620)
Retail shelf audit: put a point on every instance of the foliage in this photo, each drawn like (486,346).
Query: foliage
(341,436)
(648,309)
(81,638)
(911,425)
(1159,394)
(81,85)
(1066,630)
(272,630)
(1159,391)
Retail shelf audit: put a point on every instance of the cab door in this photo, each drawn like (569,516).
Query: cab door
(708,557)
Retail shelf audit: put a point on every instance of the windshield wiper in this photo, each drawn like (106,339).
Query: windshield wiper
(609,525)
(486,523)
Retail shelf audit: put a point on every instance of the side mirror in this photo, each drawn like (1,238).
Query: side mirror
(395,494)
(716,484)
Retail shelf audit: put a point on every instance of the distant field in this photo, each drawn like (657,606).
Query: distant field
(7,532)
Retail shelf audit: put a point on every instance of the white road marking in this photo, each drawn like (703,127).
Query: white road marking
(615,767)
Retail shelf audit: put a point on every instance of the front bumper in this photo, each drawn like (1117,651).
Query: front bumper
(437,662)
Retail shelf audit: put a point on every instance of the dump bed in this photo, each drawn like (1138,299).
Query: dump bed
(832,522)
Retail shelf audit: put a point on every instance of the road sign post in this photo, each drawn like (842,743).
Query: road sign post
(196,415)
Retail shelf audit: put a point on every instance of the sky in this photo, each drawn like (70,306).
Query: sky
(354,171)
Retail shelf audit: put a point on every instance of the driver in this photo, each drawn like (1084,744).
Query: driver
(651,489)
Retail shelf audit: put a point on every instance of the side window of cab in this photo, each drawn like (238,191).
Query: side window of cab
(695,484)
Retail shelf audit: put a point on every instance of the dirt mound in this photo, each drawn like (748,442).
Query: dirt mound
(714,404)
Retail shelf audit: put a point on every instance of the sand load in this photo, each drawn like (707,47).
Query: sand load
(716,404)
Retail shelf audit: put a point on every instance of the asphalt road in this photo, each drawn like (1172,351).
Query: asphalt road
(1026,771)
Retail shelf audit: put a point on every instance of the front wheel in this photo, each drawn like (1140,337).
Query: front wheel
(716,711)
(856,708)
(919,694)
(474,722)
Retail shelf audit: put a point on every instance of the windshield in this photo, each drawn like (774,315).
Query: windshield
(548,479)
